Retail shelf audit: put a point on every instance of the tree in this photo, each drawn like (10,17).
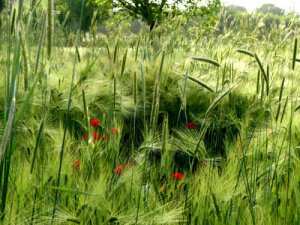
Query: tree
(271,8)
(236,8)
(70,11)
(153,12)
(232,17)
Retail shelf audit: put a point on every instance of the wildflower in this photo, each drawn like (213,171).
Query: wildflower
(191,125)
(177,176)
(104,137)
(94,122)
(118,170)
(95,136)
(77,164)
(114,130)
(85,136)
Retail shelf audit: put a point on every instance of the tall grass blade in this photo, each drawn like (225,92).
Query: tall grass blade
(123,63)
(258,82)
(143,94)
(61,155)
(219,98)
(246,52)
(78,54)
(49,27)
(284,108)
(137,49)
(5,157)
(135,96)
(25,63)
(183,98)
(202,84)
(116,51)
(156,97)
(210,61)
(295,54)
(36,146)
(279,100)
(165,163)
(9,123)
(265,75)
(85,108)
(27,100)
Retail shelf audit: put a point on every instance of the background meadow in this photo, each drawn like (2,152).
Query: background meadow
(183,123)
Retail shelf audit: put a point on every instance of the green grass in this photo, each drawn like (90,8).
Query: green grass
(240,164)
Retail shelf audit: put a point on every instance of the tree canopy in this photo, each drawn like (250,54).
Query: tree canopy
(271,8)
(237,8)
(70,11)
(152,12)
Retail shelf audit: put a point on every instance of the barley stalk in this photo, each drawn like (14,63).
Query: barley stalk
(49,27)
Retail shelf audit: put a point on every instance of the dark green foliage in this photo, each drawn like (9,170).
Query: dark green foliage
(153,13)
(70,11)
(233,8)
(57,115)
(271,8)
(1,5)
(226,121)
(235,18)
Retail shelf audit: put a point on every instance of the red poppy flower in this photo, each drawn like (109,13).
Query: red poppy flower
(104,137)
(177,176)
(85,136)
(77,164)
(191,125)
(118,170)
(114,130)
(94,122)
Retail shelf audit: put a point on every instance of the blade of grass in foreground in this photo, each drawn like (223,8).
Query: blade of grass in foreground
(36,146)
(156,97)
(143,94)
(280,98)
(9,123)
(246,52)
(290,135)
(220,97)
(197,81)
(5,157)
(11,82)
(210,61)
(183,98)
(67,114)
(295,54)
(201,84)
(265,74)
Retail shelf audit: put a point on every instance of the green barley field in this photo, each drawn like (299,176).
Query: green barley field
(184,124)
